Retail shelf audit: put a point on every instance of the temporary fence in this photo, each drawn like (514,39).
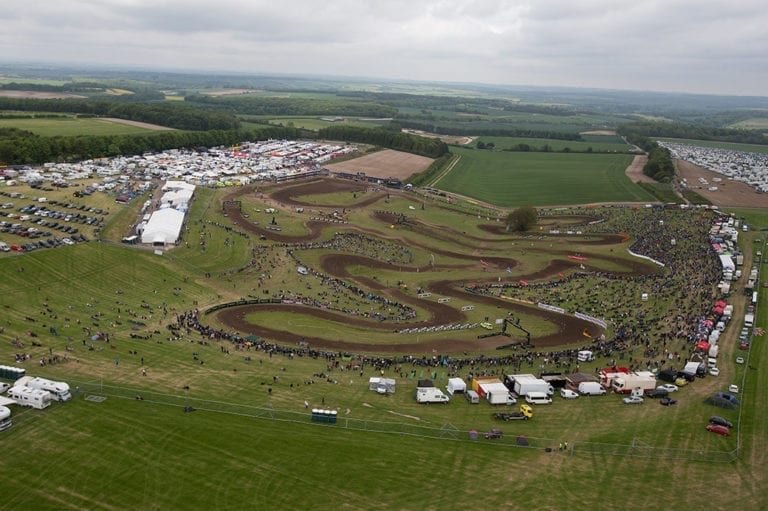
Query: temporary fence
(182,401)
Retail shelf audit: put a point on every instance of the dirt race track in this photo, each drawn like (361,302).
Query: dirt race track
(729,193)
(384,164)
(568,328)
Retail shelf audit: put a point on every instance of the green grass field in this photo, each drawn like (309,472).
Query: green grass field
(512,179)
(502,143)
(250,443)
(71,126)
(755,123)
(752,148)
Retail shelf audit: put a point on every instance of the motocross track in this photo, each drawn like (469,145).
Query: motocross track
(568,328)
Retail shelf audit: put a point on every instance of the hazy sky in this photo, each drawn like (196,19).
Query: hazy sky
(709,46)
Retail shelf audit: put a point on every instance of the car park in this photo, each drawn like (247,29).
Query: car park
(633,400)
(720,430)
(716,419)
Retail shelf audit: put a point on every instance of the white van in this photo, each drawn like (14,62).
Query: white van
(472,397)
(591,388)
(538,398)
(711,362)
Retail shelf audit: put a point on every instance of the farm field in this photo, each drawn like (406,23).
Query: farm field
(753,148)
(247,439)
(71,126)
(383,164)
(756,123)
(510,179)
(613,144)
(316,123)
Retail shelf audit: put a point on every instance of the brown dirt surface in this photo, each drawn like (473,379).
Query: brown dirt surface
(448,139)
(29,94)
(635,170)
(386,163)
(145,125)
(729,193)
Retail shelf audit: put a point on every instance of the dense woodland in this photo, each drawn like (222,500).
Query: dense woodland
(173,115)
(19,147)
(431,147)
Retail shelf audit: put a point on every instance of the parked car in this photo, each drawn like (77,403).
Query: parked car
(568,394)
(495,433)
(668,387)
(716,419)
(633,400)
(667,401)
(681,382)
(727,397)
(733,389)
(717,428)
(714,371)
(739,360)
(657,393)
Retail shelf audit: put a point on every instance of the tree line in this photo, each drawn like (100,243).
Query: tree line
(690,131)
(19,147)
(172,115)
(251,105)
(430,147)
(489,132)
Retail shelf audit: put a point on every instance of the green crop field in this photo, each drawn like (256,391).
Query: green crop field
(513,178)
(595,144)
(246,439)
(755,123)
(71,126)
(752,148)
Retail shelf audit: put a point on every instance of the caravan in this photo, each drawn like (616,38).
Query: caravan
(24,396)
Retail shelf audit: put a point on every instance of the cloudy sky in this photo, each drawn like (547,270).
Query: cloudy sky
(708,46)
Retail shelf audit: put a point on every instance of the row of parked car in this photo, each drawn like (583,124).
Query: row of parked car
(46,243)
(42,211)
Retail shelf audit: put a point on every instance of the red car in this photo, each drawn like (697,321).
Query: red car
(717,428)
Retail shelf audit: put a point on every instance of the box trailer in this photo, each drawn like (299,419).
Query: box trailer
(25,396)
(497,394)
(430,395)
(526,383)
(58,389)
(713,351)
(456,386)
(5,418)
(644,380)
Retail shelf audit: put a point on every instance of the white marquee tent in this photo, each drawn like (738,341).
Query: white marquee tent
(163,228)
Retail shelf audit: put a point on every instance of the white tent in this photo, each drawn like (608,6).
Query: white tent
(163,227)
(456,385)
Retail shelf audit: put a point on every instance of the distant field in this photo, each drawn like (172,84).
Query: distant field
(316,123)
(753,148)
(755,123)
(69,126)
(558,145)
(513,178)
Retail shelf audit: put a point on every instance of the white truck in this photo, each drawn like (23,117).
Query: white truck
(527,383)
(644,380)
(749,320)
(5,418)
(430,395)
(58,389)
(25,396)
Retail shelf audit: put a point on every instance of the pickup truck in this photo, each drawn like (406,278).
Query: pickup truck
(525,413)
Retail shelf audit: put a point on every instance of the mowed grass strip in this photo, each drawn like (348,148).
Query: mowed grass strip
(71,126)
(609,144)
(511,179)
